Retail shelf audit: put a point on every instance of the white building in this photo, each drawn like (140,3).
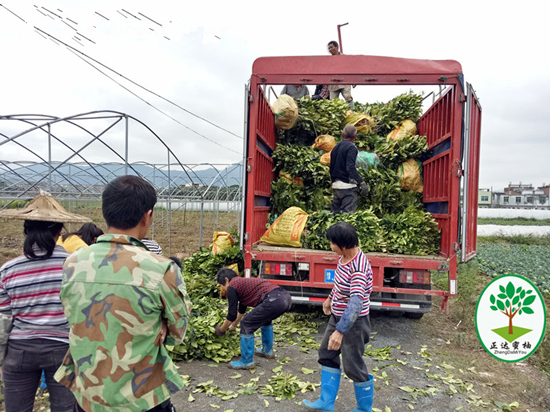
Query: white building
(521,197)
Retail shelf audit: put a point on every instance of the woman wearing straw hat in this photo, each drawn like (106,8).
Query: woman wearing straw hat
(34,332)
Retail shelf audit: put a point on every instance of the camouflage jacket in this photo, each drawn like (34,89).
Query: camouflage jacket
(117,296)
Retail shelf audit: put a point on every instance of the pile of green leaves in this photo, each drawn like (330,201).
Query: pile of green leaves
(386,196)
(285,385)
(199,270)
(365,222)
(296,328)
(201,341)
(317,117)
(386,200)
(389,115)
(413,232)
(393,153)
(302,162)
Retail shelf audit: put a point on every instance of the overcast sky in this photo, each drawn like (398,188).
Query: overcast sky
(200,54)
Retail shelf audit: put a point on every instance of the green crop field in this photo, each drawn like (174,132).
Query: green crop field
(531,261)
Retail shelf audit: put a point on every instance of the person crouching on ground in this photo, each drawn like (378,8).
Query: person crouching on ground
(349,324)
(269,301)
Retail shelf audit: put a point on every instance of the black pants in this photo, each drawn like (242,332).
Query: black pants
(25,360)
(165,406)
(344,200)
(275,303)
(352,349)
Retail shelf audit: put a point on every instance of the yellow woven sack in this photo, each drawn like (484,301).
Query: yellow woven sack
(234,267)
(287,228)
(324,142)
(286,112)
(410,176)
(406,128)
(297,180)
(364,123)
(325,159)
(220,242)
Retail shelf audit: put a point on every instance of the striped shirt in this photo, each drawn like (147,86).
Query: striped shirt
(352,278)
(152,246)
(29,292)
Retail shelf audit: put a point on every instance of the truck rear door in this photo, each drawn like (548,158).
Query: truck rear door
(471,141)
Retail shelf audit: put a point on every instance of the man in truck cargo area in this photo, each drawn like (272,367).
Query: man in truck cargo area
(336,89)
(122,301)
(296,91)
(269,301)
(344,174)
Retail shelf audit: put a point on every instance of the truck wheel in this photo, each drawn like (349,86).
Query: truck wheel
(413,315)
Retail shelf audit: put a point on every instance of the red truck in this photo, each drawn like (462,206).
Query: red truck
(452,125)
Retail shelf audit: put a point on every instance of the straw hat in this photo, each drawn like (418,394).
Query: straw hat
(45,208)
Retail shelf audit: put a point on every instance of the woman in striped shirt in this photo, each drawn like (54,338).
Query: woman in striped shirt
(349,324)
(33,326)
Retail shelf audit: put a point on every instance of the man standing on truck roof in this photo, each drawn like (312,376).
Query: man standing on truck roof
(344,174)
(297,91)
(336,89)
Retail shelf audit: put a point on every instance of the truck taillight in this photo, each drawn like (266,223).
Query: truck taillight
(277,268)
(414,276)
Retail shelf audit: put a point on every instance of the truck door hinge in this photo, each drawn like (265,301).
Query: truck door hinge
(248,166)
(462,97)
(246,236)
(459,172)
(250,98)
(457,246)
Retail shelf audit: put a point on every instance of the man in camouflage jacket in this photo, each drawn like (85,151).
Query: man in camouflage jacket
(122,301)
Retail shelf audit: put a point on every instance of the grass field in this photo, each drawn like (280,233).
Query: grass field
(518,221)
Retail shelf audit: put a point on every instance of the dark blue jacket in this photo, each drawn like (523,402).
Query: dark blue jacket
(343,160)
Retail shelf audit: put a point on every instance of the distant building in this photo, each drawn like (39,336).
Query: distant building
(545,188)
(522,196)
(484,198)
(517,189)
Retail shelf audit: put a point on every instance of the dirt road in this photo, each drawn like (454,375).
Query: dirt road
(418,365)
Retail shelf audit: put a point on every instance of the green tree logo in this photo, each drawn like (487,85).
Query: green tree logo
(510,302)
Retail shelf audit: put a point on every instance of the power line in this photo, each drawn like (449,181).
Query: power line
(13,13)
(124,77)
(144,88)
(151,105)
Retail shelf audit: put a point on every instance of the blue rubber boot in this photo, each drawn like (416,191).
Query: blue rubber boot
(330,382)
(364,394)
(43,381)
(267,343)
(247,353)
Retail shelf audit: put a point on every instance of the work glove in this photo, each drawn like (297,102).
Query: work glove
(364,189)
(219,331)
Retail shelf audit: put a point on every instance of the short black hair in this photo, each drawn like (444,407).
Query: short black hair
(225,273)
(333,42)
(126,200)
(343,235)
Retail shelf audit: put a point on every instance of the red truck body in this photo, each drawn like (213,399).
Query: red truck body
(452,126)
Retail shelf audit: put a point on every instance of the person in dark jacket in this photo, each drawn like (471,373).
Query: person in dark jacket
(269,301)
(344,174)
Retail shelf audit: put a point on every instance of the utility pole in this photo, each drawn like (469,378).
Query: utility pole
(340,37)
